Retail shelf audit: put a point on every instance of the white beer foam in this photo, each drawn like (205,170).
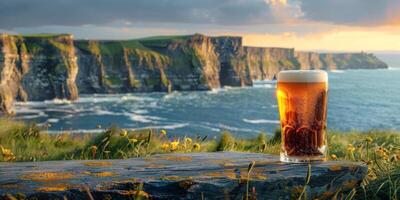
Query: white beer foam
(303,76)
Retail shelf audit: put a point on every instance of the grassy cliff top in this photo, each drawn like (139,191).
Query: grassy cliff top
(166,37)
(109,47)
(44,35)
(116,47)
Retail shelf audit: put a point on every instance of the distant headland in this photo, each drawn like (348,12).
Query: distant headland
(48,66)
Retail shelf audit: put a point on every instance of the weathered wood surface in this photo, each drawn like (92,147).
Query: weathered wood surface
(177,176)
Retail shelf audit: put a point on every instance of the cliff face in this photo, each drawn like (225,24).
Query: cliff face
(153,64)
(11,69)
(51,68)
(330,61)
(36,68)
(40,67)
(265,63)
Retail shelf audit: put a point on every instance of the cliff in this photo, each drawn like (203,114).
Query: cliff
(39,67)
(332,61)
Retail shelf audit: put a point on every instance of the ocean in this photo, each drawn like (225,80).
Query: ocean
(358,100)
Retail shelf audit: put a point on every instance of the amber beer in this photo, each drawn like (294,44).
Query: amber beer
(302,98)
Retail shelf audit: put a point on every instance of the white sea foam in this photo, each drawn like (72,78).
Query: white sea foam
(223,89)
(394,68)
(143,118)
(172,95)
(264,85)
(141,111)
(31,116)
(168,126)
(337,71)
(261,121)
(31,103)
(29,113)
(67,116)
(153,104)
(139,118)
(264,82)
(58,110)
(231,128)
(105,112)
(58,101)
(207,127)
(53,120)
(98,98)
(215,90)
(135,116)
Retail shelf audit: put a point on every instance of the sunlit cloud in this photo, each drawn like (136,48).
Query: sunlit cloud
(386,39)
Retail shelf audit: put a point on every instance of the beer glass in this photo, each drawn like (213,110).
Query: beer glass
(302,102)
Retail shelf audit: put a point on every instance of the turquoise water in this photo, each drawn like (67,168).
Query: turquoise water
(358,99)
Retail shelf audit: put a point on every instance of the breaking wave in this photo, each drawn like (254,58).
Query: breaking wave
(261,121)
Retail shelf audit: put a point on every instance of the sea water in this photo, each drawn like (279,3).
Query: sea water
(358,100)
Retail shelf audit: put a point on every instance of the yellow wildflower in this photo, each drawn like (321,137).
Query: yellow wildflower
(165,146)
(7,154)
(385,157)
(196,146)
(142,194)
(123,133)
(132,140)
(5,151)
(93,148)
(351,148)
(188,140)
(334,157)
(163,132)
(379,150)
(174,145)
(369,139)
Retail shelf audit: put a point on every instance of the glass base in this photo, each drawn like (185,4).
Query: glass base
(301,159)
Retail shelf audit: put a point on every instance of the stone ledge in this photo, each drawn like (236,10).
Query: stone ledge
(177,176)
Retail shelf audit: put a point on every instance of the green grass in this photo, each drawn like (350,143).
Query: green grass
(380,150)
(108,48)
(162,41)
(167,37)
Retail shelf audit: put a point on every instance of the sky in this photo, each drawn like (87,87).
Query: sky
(320,25)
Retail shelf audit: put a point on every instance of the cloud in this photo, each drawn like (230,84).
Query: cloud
(351,12)
(29,13)
(342,40)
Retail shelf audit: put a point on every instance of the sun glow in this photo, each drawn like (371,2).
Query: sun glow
(335,40)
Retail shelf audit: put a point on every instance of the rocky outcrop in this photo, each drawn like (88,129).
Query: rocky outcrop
(36,68)
(39,67)
(52,68)
(14,64)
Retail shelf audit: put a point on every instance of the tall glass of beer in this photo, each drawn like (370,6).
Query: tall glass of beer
(302,100)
